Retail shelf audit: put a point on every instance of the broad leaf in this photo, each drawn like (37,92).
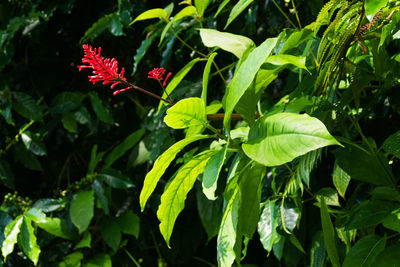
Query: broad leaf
(365,251)
(281,60)
(290,215)
(161,164)
(73,259)
(85,241)
(101,197)
(201,6)
(233,43)
(129,223)
(280,138)
(110,232)
(392,144)
(244,77)
(210,213)
(151,14)
(56,227)
(268,224)
(173,198)
(141,51)
(186,113)
(102,113)
(115,179)
(124,146)
(188,11)
(27,107)
(10,236)
(33,144)
(211,173)
(250,193)
(100,260)
(388,257)
(369,213)
(177,78)
(330,195)
(373,6)
(81,209)
(340,179)
(69,122)
(237,9)
(27,240)
(330,239)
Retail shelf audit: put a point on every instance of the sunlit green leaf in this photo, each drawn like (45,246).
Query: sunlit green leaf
(201,6)
(10,236)
(233,43)
(186,113)
(161,164)
(267,225)
(237,9)
(100,260)
(27,240)
(173,198)
(33,143)
(330,195)
(340,179)
(188,11)
(373,6)
(206,75)
(56,227)
(280,138)
(151,14)
(211,173)
(85,241)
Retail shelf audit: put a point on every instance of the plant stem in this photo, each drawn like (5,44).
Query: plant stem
(297,15)
(204,261)
(150,94)
(186,44)
(131,257)
(284,14)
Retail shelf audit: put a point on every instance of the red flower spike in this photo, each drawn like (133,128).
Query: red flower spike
(157,74)
(104,69)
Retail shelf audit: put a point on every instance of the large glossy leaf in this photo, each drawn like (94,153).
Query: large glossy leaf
(173,198)
(388,257)
(73,259)
(250,193)
(10,236)
(280,138)
(188,11)
(330,195)
(115,179)
(290,215)
(365,251)
(177,78)
(340,179)
(186,113)
(48,204)
(56,227)
(373,6)
(161,164)
(124,146)
(201,6)
(367,168)
(267,225)
(392,144)
(27,240)
(151,14)
(233,43)
(27,107)
(211,173)
(33,143)
(82,209)
(330,239)
(369,213)
(100,260)
(237,9)
(244,77)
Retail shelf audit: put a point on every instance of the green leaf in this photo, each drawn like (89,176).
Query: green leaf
(201,6)
(26,157)
(100,260)
(73,259)
(233,43)
(110,232)
(141,51)
(206,75)
(102,113)
(151,14)
(211,173)
(330,195)
(48,204)
(66,101)
(161,164)
(56,227)
(188,11)
(268,224)
(280,138)
(85,241)
(186,113)
(81,210)
(6,175)
(365,251)
(221,6)
(250,191)
(177,79)
(244,77)
(340,179)
(237,9)
(213,107)
(289,215)
(173,198)
(228,229)
(129,223)
(210,213)
(27,107)
(107,22)
(392,144)
(33,143)
(388,257)
(369,213)
(318,254)
(124,146)
(101,197)
(330,238)
(295,39)
(281,60)
(69,122)
(373,6)
(392,222)
(27,240)
(115,179)
(367,168)
(10,236)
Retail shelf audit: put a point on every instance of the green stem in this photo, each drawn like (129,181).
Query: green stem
(131,257)
(284,14)
(297,15)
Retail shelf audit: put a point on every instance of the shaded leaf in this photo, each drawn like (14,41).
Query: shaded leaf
(48,204)
(6,175)
(211,173)
(392,144)
(85,241)
(102,113)
(340,179)
(81,209)
(110,232)
(129,223)
(206,75)
(390,256)
(33,143)
(27,107)
(101,197)
(330,195)
(365,251)
(237,9)
(100,260)
(115,179)
(330,239)
(369,213)
(268,224)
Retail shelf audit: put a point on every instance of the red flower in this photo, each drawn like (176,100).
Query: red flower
(104,69)
(157,74)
